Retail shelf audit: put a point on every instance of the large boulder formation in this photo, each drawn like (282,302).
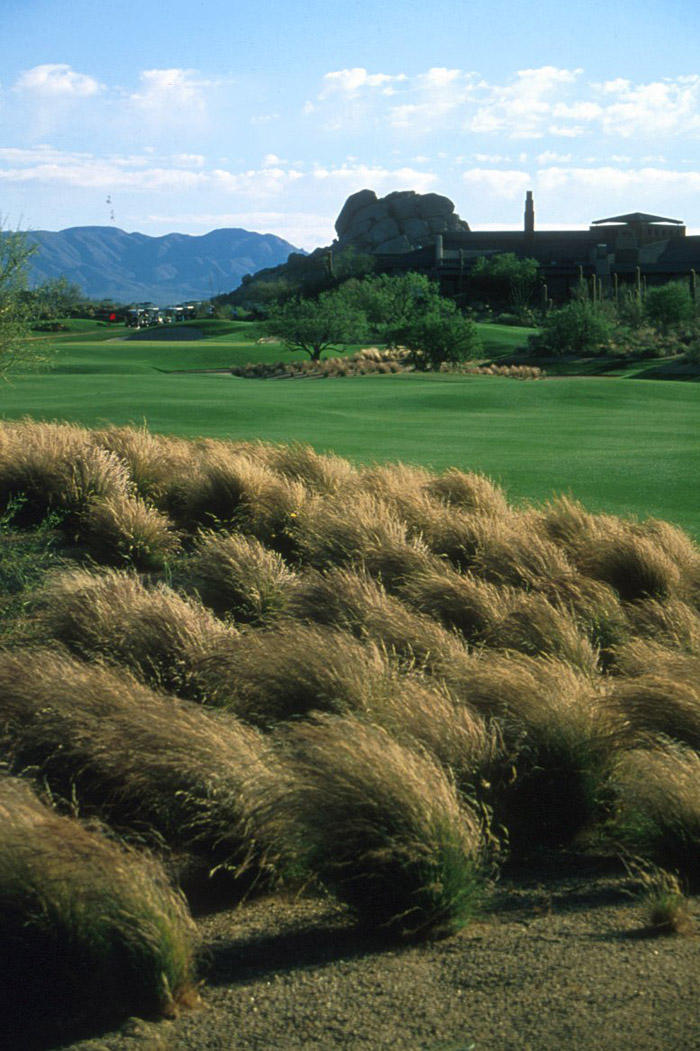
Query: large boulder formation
(399,222)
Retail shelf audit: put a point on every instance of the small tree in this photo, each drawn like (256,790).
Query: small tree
(316,325)
(16,350)
(669,306)
(579,328)
(440,334)
(390,301)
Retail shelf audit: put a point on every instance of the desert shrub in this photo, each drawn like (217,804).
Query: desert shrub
(658,806)
(123,529)
(580,328)
(111,614)
(381,826)
(468,491)
(92,933)
(166,769)
(669,305)
(238,576)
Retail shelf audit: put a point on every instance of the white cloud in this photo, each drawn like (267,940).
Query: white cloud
(501,183)
(550,157)
(168,93)
(349,81)
(522,108)
(660,108)
(57,80)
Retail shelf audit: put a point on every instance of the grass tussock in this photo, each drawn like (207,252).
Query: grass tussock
(92,933)
(467,491)
(458,601)
(124,530)
(657,704)
(298,462)
(56,467)
(666,906)
(534,626)
(152,631)
(271,676)
(372,537)
(636,567)
(238,577)
(672,622)
(380,825)
(148,763)
(657,815)
(355,602)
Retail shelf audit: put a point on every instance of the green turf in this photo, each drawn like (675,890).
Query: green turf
(622,445)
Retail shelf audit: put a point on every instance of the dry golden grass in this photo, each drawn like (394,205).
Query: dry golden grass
(658,806)
(238,576)
(269,676)
(157,465)
(323,474)
(56,467)
(124,530)
(637,568)
(380,824)
(153,631)
(659,703)
(671,622)
(353,601)
(474,493)
(92,933)
(534,626)
(458,600)
(372,537)
(164,768)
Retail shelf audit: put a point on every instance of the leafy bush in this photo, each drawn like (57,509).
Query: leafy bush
(670,305)
(579,328)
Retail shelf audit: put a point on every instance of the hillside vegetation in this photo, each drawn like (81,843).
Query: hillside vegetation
(231,667)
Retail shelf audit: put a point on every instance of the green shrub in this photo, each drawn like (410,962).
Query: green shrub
(579,328)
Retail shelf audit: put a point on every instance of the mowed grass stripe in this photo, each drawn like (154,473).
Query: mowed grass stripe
(623,446)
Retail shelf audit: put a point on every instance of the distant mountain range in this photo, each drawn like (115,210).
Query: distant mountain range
(110,263)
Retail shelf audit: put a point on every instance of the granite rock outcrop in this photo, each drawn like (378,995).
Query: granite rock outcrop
(399,222)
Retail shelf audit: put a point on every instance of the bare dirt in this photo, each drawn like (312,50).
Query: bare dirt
(562,961)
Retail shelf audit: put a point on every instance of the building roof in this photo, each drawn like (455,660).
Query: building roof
(638,217)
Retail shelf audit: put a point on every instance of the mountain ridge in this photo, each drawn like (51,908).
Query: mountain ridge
(107,262)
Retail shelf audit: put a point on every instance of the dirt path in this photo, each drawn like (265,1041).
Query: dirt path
(560,964)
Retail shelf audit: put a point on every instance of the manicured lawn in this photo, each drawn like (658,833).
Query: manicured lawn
(622,445)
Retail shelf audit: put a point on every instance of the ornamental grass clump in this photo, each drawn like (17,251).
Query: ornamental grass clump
(124,530)
(654,704)
(558,745)
(637,568)
(457,600)
(168,770)
(301,463)
(534,626)
(56,467)
(92,933)
(380,825)
(468,491)
(372,537)
(156,464)
(657,816)
(268,676)
(111,614)
(672,622)
(239,577)
(353,601)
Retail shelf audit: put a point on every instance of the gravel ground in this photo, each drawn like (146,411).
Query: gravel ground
(561,962)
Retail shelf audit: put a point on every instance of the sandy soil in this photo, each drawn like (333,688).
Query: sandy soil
(562,961)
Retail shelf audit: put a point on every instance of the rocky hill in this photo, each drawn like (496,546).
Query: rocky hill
(109,263)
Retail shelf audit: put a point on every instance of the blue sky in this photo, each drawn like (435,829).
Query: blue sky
(196,115)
